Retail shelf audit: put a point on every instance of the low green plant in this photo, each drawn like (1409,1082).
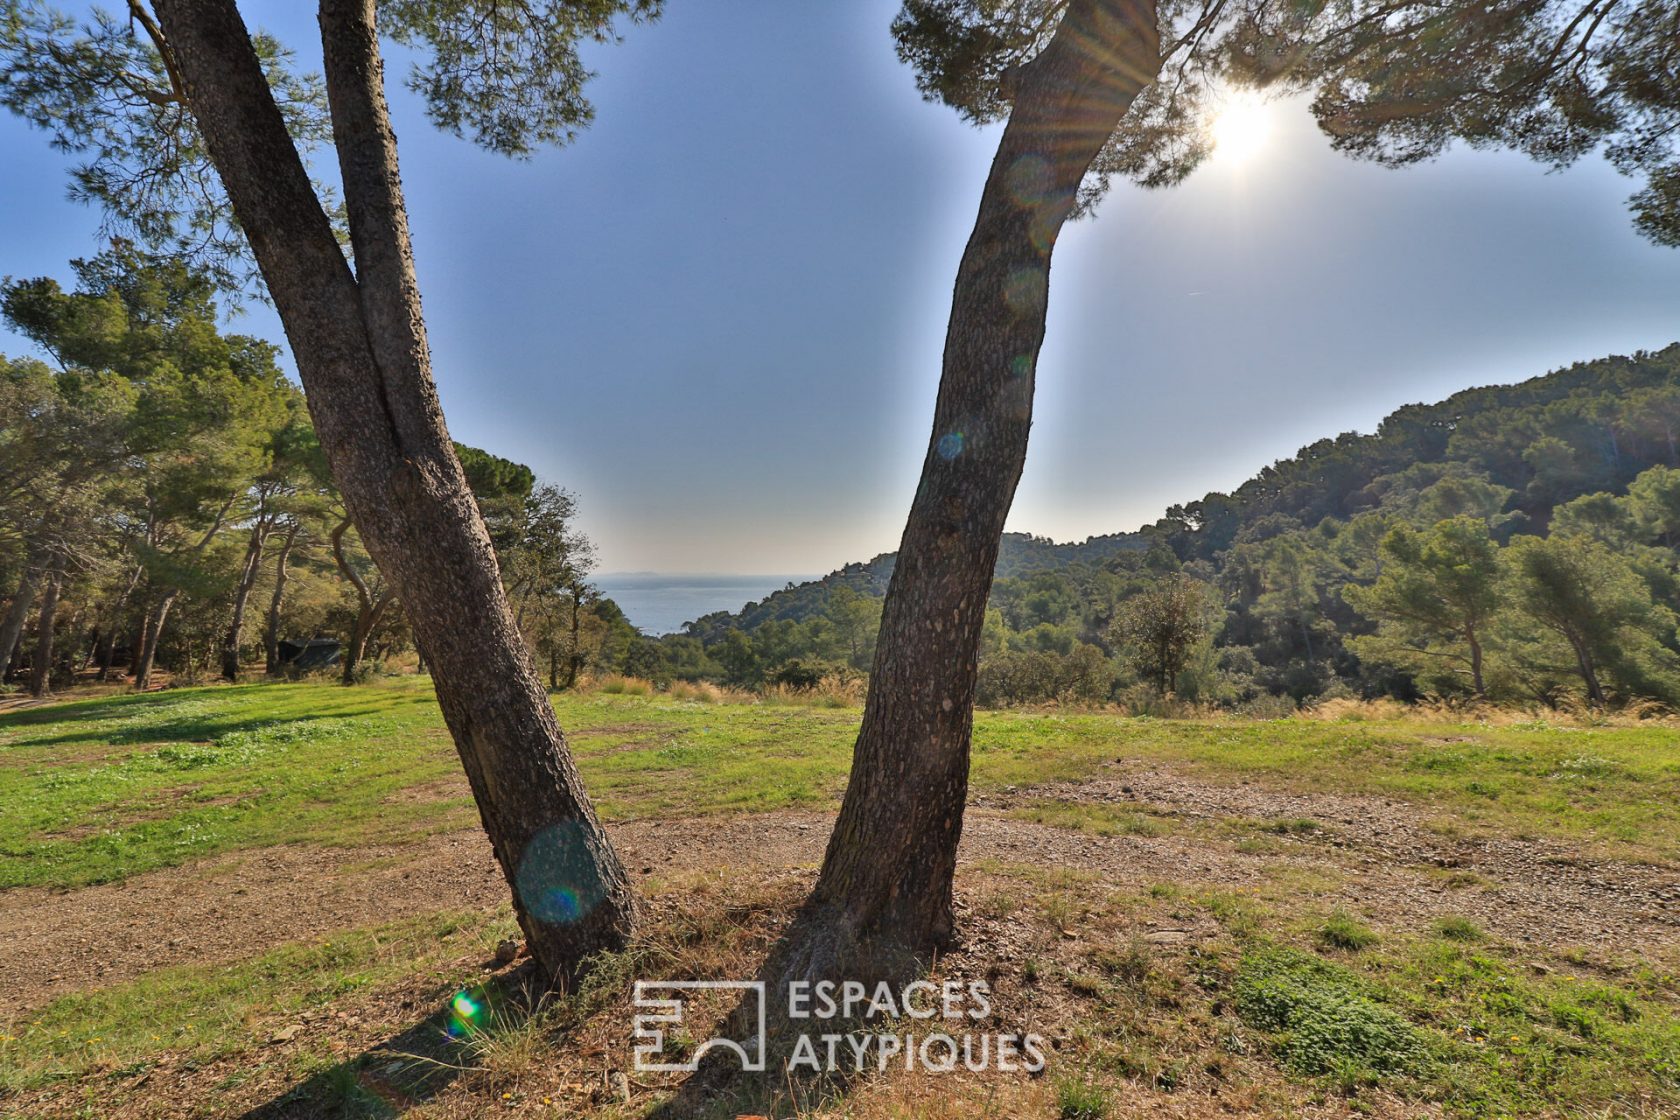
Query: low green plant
(1455,928)
(1342,931)
(1322,1018)
(1080,1100)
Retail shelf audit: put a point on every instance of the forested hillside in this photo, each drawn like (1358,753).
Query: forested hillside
(1515,541)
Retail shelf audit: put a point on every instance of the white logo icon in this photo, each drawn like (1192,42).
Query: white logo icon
(665,1014)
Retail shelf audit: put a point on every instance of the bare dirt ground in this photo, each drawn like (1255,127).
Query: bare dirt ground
(1372,856)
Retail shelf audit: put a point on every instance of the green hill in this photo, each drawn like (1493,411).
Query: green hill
(1569,476)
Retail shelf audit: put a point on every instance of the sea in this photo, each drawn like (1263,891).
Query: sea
(660,602)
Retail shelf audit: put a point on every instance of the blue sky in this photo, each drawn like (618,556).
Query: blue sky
(718,316)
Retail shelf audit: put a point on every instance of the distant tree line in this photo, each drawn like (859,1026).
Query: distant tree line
(164,503)
(1512,543)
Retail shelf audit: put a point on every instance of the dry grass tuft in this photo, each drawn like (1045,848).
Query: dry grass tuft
(1566,713)
(830,692)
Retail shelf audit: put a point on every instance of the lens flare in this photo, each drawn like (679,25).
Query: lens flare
(1028,180)
(557,880)
(466,1015)
(1025,290)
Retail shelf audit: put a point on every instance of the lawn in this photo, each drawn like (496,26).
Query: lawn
(1267,993)
(102,789)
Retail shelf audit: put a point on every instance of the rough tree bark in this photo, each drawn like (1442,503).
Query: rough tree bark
(271,630)
(360,345)
(883,901)
(41,671)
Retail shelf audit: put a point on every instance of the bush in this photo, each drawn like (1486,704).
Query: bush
(798,676)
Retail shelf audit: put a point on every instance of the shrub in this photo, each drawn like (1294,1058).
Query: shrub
(1322,1019)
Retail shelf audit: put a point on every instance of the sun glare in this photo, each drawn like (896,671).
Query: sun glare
(1241,126)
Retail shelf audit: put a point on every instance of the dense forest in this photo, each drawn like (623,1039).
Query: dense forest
(164,505)
(1514,542)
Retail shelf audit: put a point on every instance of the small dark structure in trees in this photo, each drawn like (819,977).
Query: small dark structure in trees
(309,655)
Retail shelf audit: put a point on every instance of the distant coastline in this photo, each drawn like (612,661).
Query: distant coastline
(660,602)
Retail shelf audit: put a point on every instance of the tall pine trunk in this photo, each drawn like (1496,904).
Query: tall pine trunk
(271,629)
(367,620)
(141,637)
(11,627)
(883,903)
(41,675)
(152,632)
(574,656)
(360,345)
(108,642)
(241,595)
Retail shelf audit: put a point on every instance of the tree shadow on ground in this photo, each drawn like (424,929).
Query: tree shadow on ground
(810,946)
(147,718)
(410,1068)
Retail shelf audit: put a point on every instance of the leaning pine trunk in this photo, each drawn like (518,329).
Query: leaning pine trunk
(11,627)
(241,594)
(883,901)
(1476,660)
(108,642)
(153,631)
(41,676)
(367,619)
(1589,671)
(360,345)
(271,631)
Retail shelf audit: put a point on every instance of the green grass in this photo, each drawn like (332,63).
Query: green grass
(1342,931)
(102,789)
(1077,1100)
(1508,1041)
(206,1011)
(1455,928)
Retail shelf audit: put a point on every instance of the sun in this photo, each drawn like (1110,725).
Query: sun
(1241,125)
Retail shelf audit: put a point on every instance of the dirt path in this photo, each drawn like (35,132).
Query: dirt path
(1373,856)
(1524,889)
